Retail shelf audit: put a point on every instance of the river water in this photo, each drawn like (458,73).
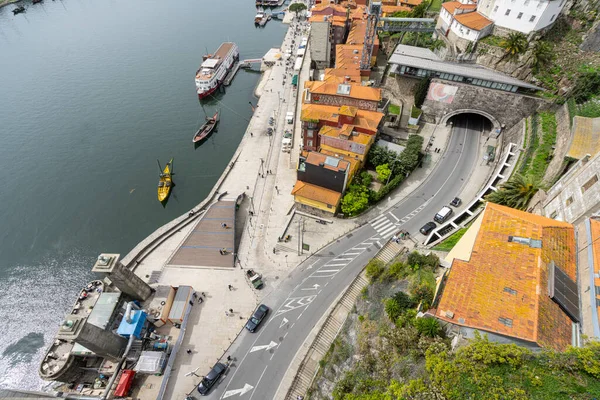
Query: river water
(92,93)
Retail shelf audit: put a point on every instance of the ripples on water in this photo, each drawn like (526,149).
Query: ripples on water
(48,289)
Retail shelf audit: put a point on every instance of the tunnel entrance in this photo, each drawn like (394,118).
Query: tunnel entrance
(471,121)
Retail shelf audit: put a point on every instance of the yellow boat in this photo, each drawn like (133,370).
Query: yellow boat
(165,181)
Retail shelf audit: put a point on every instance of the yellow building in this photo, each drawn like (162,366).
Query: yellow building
(312,197)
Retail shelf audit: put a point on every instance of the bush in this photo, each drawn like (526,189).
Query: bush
(392,309)
(355,201)
(586,86)
(375,268)
(430,261)
(421,92)
(428,326)
(403,300)
(423,293)
(383,172)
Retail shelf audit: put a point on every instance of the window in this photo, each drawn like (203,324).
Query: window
(519,16)
(507,13)
(552,19)
(495,9)
(506,321)
(569,201)
(310,134)
(532,18)
(468,31)
(597,290)
(309,143)
(554,214)
(589,184)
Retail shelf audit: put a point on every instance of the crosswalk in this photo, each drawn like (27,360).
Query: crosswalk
(384,226)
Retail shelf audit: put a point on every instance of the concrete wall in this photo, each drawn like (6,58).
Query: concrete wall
(524,15)
(508,108)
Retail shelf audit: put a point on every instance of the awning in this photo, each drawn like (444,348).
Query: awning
(295,80)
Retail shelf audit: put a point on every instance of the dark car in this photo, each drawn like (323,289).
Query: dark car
(427,228)
(456,202)
(256,318)
(209,380)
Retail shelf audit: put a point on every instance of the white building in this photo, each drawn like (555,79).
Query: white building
(524,16)
(466,21)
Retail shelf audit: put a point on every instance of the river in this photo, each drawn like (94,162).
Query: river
(92,93)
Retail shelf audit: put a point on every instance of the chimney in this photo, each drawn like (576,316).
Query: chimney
(346,79)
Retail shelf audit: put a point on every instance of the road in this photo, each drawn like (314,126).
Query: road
(260,360)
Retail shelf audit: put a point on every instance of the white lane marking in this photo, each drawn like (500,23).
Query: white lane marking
(259,379)
(359,248)
(343,259)
(283,322)
(334,265)
(351,254)
(294,303)
(328,270)
(238,392)
(388,231)
(266,347)
(393,216)
(311,265)
(378,218)
(314,287)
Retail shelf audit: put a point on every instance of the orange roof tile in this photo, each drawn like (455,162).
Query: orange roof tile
(392,9)
(357,33)
(473,20)
(316,193)
(478,291)
(353,75)
(348,111)
(357,91)
(450,6)
(354,162)
(348,56)
(347,132)
(316,158)
(364,119)
(411,2)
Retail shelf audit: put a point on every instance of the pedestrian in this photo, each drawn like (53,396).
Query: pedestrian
(200,300)
(224,225)
(203,295)
(228,358)
(273,250)
(251,134)
(229,287)
(276,189)
(231,310)
(226,314)
(188,351)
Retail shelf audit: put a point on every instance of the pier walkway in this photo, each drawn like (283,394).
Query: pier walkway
(200,249)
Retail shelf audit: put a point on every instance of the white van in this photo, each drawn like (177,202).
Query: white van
(289,117)
(443,215)
(286,142)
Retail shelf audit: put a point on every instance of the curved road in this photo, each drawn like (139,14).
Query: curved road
(260,360)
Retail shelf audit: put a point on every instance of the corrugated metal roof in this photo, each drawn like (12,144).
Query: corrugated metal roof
(416,57)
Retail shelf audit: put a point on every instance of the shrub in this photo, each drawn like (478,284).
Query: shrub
(375,268)
(430,261)
(392,308)
(428,326)
(383,172)
(403,300)
(423,293)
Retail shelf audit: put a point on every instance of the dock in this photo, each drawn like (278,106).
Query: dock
(231,74)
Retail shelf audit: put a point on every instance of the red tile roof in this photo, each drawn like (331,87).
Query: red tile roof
(473,20)
(509,280)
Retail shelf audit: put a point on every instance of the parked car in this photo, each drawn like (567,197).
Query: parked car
(427,228)
(256,318)
(211,378)
(443,215)
(456,202)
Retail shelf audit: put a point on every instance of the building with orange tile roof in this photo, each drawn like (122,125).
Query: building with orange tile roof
(323,170)
(410,3)
(345,141)
(347,75)
(347,57)
(387,11)
(328,29)
(315,116)
(517,282)
(315,199)
(335,91)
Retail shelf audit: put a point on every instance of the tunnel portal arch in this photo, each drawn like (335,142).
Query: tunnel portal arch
(495,123)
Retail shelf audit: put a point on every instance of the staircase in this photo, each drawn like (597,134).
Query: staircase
(389,251)
(327,334)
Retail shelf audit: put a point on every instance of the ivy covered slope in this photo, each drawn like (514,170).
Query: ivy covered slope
(384,352)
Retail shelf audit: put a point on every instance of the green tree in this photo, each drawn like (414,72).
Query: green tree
(515,193)
(355,200)
(421,92)
(392,308)
(374,269)
(543,54)
(383,172)
(428,326)
(403,300)
(297,7)
(423,293)
(514,44)
(586,86)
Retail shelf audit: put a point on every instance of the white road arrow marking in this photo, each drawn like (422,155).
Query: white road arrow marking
(239,392)
(313,287)
(285,321)
(264,347)
(311,265)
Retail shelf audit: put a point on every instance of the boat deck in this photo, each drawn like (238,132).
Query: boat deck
(223,50)
(200,249)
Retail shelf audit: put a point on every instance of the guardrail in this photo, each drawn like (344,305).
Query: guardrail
(475,206)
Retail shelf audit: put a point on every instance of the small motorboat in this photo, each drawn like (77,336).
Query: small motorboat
(206,128)
(36,1)
(18,10)
(165,181)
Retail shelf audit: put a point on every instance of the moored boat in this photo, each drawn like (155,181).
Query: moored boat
(206,128)
(18,10)
(165,181)
(215,68)
(36,1)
